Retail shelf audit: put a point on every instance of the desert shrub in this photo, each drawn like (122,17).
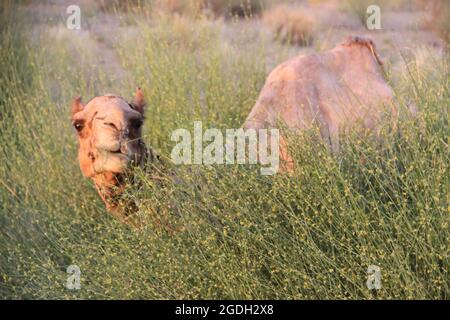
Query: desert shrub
(237,8)
(359,7)
(203,73)
(225,231)
(182,31)
(212,8)
(437,17)
(291,24)
(190,8)
(120,5)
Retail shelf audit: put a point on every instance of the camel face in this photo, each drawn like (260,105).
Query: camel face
(109,131)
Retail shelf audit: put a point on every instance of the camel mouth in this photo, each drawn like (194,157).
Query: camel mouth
(128,158)
(119,152)
(124,162)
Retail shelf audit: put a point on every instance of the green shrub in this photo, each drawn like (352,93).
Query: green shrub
(221,231)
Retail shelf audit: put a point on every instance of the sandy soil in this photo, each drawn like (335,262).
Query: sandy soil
(401,28)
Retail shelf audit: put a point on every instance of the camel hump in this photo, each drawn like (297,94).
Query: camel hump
(365,42)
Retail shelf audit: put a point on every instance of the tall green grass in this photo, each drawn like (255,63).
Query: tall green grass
(222,231)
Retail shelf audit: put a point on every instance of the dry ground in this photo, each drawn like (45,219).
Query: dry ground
(403,30)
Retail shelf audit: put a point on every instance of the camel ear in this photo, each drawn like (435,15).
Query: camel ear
(139,101)
(77,106)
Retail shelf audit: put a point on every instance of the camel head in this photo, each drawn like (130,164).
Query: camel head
(109,132)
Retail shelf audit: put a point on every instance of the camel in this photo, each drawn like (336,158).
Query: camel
(109,131)
(339,90)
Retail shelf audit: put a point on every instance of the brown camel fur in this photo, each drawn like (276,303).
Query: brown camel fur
(109,131)
(339,90)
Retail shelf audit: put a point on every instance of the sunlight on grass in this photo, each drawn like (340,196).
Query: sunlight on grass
(213,232)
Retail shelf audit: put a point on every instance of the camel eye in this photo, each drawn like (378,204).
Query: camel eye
(78,126)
